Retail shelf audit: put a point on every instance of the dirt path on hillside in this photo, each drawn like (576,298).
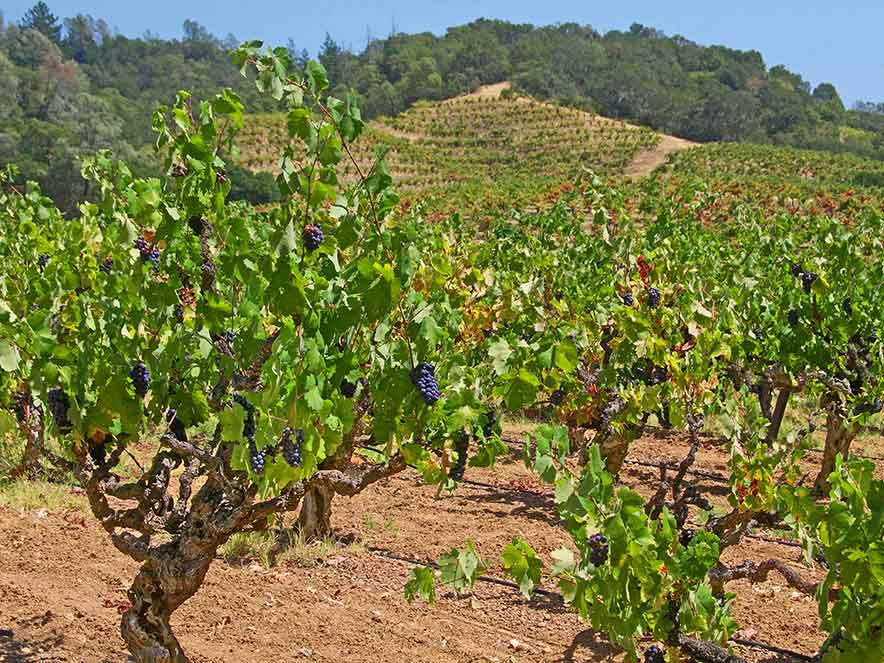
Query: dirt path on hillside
(492,91)
(647,161)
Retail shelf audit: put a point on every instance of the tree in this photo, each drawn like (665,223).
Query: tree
(80,43)
(830,104)
(9,128)
(41,19)
(328,58)
(299,58)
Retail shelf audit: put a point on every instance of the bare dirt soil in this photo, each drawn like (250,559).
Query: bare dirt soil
(62,584)
(647,161)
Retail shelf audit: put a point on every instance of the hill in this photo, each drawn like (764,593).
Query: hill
(72,86)
(490,144)
(670,83)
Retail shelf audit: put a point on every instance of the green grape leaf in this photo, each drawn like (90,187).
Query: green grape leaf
(459,569)
(421,583)
(521,562)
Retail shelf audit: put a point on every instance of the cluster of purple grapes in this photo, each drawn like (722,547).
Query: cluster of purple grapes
(686,535)
(140,375)
(312,236)
(148,252)
(43,260)
(98,454)
(423,376)
(107,265)
(348,389)
(59,403)
(197,224)
(869,408)
(176,425)
(598,549)
(462,447)
(612,407)
(807,278)
(291,451)
(654,654)
(653,297)
(649,373)
(257,457)
(557,397)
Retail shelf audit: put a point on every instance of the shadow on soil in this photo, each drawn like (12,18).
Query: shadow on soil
(16,651)
(590,641)
(532,506)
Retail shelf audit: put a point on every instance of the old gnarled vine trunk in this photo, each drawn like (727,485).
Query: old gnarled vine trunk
(164,582)
(174,571)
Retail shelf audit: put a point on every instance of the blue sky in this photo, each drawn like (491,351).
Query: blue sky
(837,42)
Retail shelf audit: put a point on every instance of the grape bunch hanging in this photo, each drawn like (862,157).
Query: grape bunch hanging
(423,376)
(598,549)
(313,237)
(257,457)
(291,450)
(59,403)
(148,252)
(140,375)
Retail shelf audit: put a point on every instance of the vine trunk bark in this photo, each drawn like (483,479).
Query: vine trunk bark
(33,428)
(173,572)
(614,450)
(165,581)
(839,436)
(314,519)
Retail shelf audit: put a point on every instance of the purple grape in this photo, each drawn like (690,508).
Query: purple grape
(291,451)
(598,554)
(807,279)
(59,404)
(423,376)
(140,375)
(654,654)
(312,236)
(653,297)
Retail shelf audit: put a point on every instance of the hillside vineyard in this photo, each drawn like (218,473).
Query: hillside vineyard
(603,378)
